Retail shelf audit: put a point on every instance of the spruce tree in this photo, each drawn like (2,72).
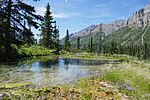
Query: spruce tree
(27,35)
(89,47)
(78,42)
(67,42)
(91,44)
(113,48)
(13,14)
(100,37)
(145,51)
(56,39)
(2,27)
(46,28)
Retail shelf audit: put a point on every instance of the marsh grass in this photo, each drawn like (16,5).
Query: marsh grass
(92,56)
(129,83)
(131,79)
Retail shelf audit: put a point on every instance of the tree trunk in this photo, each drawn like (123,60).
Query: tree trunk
(7,32)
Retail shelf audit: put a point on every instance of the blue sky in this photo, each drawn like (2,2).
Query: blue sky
(78,14)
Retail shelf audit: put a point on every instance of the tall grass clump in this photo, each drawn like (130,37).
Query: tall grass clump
(129,83)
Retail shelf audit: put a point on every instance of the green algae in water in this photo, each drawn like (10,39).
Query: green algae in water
(49,71)
(15,85)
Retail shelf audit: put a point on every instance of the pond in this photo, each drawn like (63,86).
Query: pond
(58,71)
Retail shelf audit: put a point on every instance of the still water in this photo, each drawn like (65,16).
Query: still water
(58,71)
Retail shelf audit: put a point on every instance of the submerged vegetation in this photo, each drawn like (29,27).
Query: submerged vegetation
(128,80)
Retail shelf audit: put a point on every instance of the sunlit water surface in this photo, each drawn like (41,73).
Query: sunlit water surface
(59,71)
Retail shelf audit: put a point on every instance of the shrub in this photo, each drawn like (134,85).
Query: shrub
(33,50)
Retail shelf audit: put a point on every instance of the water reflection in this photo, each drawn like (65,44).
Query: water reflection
(50,72)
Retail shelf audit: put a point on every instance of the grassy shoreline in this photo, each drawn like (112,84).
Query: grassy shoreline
(93,56)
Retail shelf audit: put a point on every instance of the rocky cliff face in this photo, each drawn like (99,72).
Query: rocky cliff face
(119,23)
(140,18)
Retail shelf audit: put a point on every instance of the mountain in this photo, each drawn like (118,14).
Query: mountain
(135,30)
(93,31)
(140,18)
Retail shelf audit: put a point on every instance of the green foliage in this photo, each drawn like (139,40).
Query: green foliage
(28,37)
(15,85)
(33,50)
(50,33)
(67,42)
(16,20)
(56,40)
(113,48)
(90,45)
(145,51)
(1,52)
(78,43)
(46,28)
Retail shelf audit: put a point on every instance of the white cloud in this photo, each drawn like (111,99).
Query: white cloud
(65,15)
(60,15)
(103,5)
(40,10)
(68,0)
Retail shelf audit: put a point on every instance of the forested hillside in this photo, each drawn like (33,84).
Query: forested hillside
(130,38)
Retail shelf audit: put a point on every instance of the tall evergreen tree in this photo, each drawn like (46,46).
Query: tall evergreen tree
(145,54)
(67,42)
(113,48)
(13,14)
(78,42)
(1,31)
(56,39)
(89,47)
(120,49)
(100,37)
(27,35)
(91,44)
(47,29)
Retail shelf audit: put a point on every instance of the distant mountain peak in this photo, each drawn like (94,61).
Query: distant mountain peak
(140,18)
(119,23)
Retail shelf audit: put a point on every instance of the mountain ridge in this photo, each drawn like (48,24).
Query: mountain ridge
(107,28)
